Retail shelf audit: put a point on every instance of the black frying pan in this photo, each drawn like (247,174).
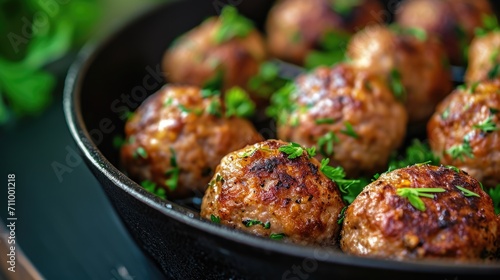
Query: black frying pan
(106,81)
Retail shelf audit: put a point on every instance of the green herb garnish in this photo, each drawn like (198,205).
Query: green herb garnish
(494,72)
(417,152)
(248,153)
(495,196)
(214,84)
(293,150)
(416,32)
(332,50)
(467,192)
(337,174)
(454,168)
(233,25)
(487,126)
(215,219)
(153,188)
(282,104)
(490,24)
(215,108)
(267,80)
(277,236)
(196,111)
(168,102)
(349,130)
(396,84)
(140,152)
(173,173)
(118,141)
(461,150)
(344,7)
(324,121)
(249,223)
(326,143)
(341,215)
(413,195)
(238,103)
(207,93)
(445,114)
(311,152)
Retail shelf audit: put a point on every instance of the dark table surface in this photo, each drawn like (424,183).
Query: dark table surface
(65,224)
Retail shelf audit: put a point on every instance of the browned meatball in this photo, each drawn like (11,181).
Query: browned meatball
(414,63)
(203,55)
(295,27)
(453,21)
(349,114)
(386,221)
(464,131)
(177,133)
(484,58)
(259,189)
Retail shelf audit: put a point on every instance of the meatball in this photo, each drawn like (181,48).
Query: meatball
(455,218)
(464,131)
(349,114)
(220,50)
(295,27)
(414,63)
(484,58)
(262,190)
(176,140)
(454,21)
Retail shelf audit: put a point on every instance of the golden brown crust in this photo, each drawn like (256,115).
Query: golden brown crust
(381,223)
(447,20)
(421,63)
(295,27)
(261,183)
(483,57)
(197,58)
(198,139)
(454,122)
(347,94)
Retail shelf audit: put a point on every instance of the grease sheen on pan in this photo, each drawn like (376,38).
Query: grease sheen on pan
(383,224)
(177,120)
(464,131)
(260,183)
(327,100)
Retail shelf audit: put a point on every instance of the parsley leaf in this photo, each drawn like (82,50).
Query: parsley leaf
(344,7)
(173,173)
(413,195)
(326,143)
(337,174)
(332,50)
(238,103)
(214,84)
(215,219)
(397,85)
(140,152)
(324,121)
(487,126)
(277,236)
(249,223)
(461,150)
(154,189)
(215,108)
(311,152)
(349,131)
(467,192)
(282,104)
(248,153)
(416,32)
(490,23)
(293,150)
(232,25)
(495,196)
(417,152)
(267,80)
(341,215)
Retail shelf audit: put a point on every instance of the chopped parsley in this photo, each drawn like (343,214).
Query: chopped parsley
(215,108)
(153,188)
(341,215)
(326,143)
(495,196)
(140,152)
(311,152)
(417,152)
(494,111)
(215,219)
(461,150)
(238,103)
(494,71)
(207,93)
(173,173)
(487,126)
(473,87)
(337,174)
(249,223)
(218,178)
(446,114)
(168,102)
(413,195)
(416,32)
(344,7)
(233,25)
(248,153)
(332,50)
(490,23)
(282,104)
(293,150)
(396,84)
(196,111)
(324,121)
(454,168)
(467,192)
(349,130)
(118,141)
(277,236)
(215,83)
(267,80)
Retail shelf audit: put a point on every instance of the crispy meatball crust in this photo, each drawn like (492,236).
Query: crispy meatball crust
(421,63)
(483,57)
(453,21)
(196,57)
(453,124)
(383,224)
(295,27)
(328,98)
(162,125)
(261,183)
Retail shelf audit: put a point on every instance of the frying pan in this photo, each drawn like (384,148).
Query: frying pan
(115,77)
